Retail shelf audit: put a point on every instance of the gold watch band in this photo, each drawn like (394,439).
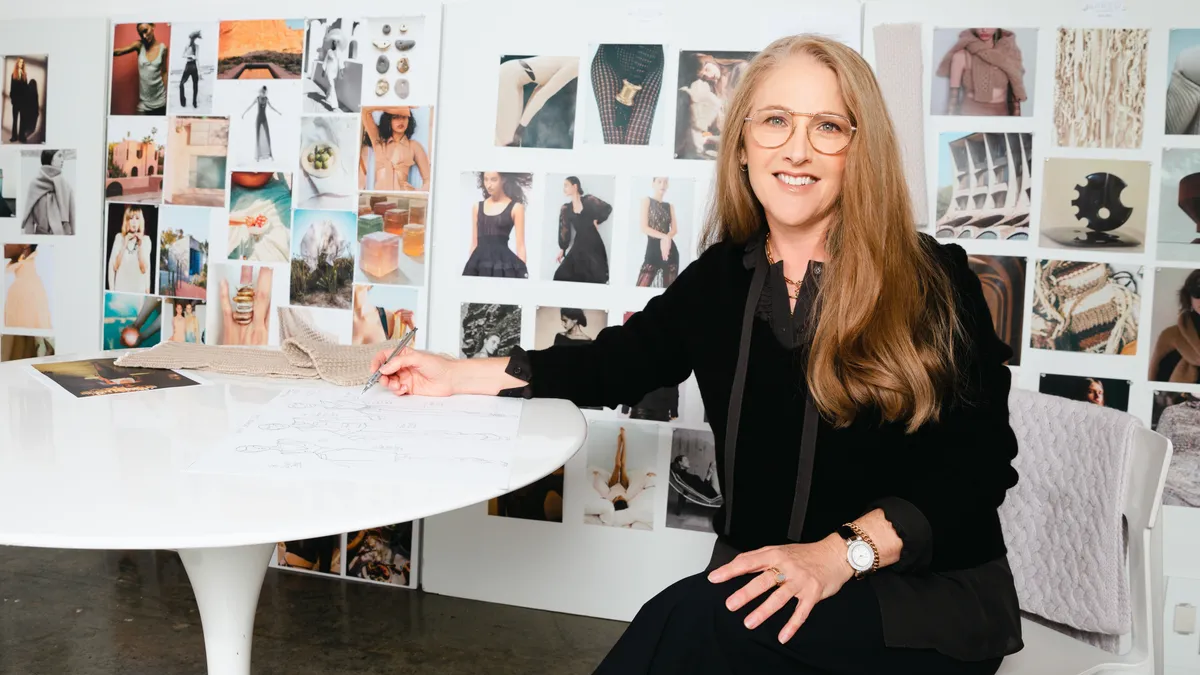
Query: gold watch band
(862,534)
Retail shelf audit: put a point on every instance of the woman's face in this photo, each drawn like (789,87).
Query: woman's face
(660,185)
(569,188)
(1196,305)
(710,71)
(20,64)
(137,222)
(57,160)
(399,125)
(1095,393)
(794,183)
(491,183)
(187,311)
(985,33)
(146,32)
(568,323)
(492,343)
(178,310)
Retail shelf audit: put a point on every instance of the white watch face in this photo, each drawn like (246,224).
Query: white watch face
(860,555)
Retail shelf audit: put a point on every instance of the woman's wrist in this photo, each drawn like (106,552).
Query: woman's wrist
(486,377)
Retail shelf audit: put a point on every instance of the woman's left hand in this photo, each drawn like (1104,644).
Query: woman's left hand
(811,573)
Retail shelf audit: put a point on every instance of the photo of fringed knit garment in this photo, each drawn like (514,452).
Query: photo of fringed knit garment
(1085,307)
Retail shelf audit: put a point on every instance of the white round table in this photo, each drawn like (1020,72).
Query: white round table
(108,473)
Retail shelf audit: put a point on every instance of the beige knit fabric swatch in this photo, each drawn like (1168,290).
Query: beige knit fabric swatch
(304,354)
(900,72)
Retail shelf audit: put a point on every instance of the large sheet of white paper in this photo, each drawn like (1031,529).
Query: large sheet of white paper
(338,434)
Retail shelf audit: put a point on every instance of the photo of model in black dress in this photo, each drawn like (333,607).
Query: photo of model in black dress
(661,263)
(498,215)
(583,259)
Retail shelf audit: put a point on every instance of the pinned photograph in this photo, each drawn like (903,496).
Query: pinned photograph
(577,249)
(383,313)
(1095,203)
(131,321)
(392,62)
(1100,87)
(183,252)
(496,211)
(267,49)
(1176,415)
(1088,307)
(391,239)
(706,84)
(260,216)
(197,148)
(264,123)
(323,258)
(139,76)
(23,117)
(102,377)
(626,80)
(10,183)
(187,320)
(20,347)
(535,107)
(489,330)
(320,555)
(695,489)
(48,191)
(541,500)
(555,326)
(193,68)
(984,71)
(132,237)
(622,463)
(660,405)
(381,554)
(1102,391)
(1003,280)
(247,295)
(333,67)
(984,185)
(661,222)
(1183,82)
(28,287)
(328,177)
(1179,205)
(1175,325)
(396,149)
(136,150)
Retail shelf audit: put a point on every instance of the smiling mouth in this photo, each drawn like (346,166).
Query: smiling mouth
(796,181)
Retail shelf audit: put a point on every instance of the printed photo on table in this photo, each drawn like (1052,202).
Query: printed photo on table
(1003,280)
(48,191)
(1176,415)
(660,224)
(984,71)
(706,84)
(29,292)
(132,238)
(18,347)
(622,474)
(1175,325)
(1095,204)
(102,377)
(1183,82)
(328,177)
(383,313)
(264,123)
(23,117)
(1179,205)
(183,251)
(535,105)
(260,216)
(193,68)
(131,321)
(1100,87)
(10,183)
(186,320)
(263,49)
(494,203)
(323,258)
(136,150)
(391,239)
(197,149)
(985,183)
(541,500)
(660,405)
(695,489)
(139,72)
(1105,392)
(396,150)
(246,297)
(1089,307)
(626,83)
(381,554)
(488,330)
(578,235)
(322,555)
(333,66)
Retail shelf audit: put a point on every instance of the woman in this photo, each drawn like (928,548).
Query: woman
(191,72)
(191,323)
(129,255)
(1176,355)
(395,151)
(585,259)
(986,73)
(502,211)
(178,324)
(17,97)
(26,305)
(661,264)
(849,365)
(152,70)
(513,111)
(262,130)
(573,322)
(50,202)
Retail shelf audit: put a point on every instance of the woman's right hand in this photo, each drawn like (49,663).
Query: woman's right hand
(415,372)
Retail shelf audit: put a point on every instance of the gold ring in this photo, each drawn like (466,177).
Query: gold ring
(779,576)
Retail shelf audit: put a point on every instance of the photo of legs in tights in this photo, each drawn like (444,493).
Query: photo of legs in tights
(626,80)
(542,115)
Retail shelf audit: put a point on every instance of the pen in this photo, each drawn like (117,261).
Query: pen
(375,375)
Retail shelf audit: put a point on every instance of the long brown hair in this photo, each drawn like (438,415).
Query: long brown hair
(886,324)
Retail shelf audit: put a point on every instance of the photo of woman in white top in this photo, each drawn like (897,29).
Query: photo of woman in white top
(130,254)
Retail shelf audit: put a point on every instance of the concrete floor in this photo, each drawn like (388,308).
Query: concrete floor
(96,613)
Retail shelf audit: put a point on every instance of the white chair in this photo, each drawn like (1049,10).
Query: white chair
(1049,652)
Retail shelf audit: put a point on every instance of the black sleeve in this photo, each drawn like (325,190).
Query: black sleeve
(564,228)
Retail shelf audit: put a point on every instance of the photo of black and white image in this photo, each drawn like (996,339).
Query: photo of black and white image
(48,191)
(985,185)
(1176,415)
(535,105)
(333,67)
(706,84)
(192,68)
(10,183)
(984,71)
(321,554)
(328,176)
(660,405)
(1082,306)
(1183,82)
(623,104)
(489,330)
(695,488)
(264,123)
(577,239)
(1095,204)
(1179,205)
(1003,280)
(555,326)
(1175,326)
(23,118)
(1105,392)
(622,474)
(493,203)
(381,554)
(661,225)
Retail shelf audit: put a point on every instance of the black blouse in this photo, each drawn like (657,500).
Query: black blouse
(797,477)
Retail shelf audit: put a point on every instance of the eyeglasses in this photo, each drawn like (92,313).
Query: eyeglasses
(829,134)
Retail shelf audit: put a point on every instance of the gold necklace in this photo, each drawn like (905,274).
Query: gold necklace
(771,260)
